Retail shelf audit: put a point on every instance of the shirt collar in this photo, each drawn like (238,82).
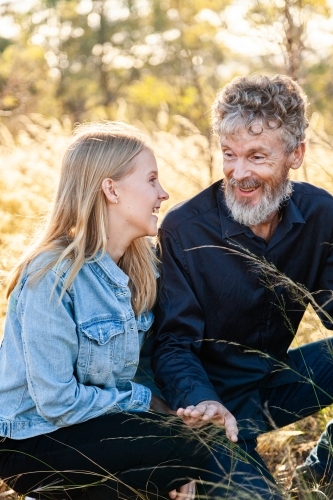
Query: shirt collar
(291,215)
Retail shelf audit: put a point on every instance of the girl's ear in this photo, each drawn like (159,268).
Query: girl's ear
(108,187)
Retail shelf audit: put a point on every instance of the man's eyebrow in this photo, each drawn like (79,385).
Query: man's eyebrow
(259,148)
(252,150)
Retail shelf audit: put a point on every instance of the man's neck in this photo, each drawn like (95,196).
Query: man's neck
(266,229)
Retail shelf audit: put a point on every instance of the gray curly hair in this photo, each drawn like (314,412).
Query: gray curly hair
(275,102)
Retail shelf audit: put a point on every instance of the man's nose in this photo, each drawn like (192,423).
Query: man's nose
(241,169)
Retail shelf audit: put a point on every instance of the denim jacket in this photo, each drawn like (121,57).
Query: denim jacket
(65,361)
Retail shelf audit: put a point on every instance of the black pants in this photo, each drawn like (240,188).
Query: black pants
(108,457)
(150,455)
(232,477)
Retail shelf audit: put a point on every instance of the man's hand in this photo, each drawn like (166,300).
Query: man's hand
(210,412)
(186,492)
(159,405)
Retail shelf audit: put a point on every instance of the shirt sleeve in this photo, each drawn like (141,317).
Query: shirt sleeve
(179,333)
(50,345)
(323,297)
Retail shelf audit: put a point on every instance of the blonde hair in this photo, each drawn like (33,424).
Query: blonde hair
(76,228)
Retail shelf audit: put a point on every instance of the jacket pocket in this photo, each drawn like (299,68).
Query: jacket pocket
(102,331)
(102,345)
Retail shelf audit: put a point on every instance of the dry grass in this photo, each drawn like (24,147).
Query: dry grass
(6,493)
(188,163)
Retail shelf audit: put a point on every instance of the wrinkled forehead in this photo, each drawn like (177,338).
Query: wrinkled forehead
(232,125)
(256,131)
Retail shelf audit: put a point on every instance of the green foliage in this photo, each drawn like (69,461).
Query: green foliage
(98,52)
(86,58)
(23,87)
(4,42)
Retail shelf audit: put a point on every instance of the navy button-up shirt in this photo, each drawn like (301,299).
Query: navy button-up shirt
(224,322)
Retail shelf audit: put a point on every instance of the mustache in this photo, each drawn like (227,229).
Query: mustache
(248,183)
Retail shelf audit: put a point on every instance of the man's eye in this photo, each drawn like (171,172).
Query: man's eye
(258,157)
(227,154)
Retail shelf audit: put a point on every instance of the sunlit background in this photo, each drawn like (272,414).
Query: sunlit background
(156,64)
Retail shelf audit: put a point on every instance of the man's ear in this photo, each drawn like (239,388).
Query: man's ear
(297,156)
(108,187)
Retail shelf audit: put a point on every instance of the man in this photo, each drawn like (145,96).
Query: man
(238,260)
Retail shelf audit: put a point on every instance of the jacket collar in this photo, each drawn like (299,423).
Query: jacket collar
(106,268)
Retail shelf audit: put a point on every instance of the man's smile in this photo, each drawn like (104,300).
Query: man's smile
(245,187)
(248,190)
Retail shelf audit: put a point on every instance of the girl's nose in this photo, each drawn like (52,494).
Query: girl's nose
(163,194)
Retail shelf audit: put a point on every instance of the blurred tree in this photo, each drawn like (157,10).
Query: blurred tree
(100,51)
(301,32)
(149,60)
(287,23)
(23,87)
(181,59)
(144,60)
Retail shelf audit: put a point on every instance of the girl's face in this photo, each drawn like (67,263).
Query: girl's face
(139,196)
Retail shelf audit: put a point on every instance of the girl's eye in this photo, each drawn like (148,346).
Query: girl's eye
(153,179)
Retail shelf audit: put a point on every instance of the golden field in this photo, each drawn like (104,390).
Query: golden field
(188,162)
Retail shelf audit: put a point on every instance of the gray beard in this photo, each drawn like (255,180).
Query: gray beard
(270,202)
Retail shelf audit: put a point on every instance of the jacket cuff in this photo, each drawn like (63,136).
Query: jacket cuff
(140,398)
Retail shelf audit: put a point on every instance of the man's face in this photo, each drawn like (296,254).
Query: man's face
(256,174)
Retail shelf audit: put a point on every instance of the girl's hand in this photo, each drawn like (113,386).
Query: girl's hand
(186,492)
(159,405)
